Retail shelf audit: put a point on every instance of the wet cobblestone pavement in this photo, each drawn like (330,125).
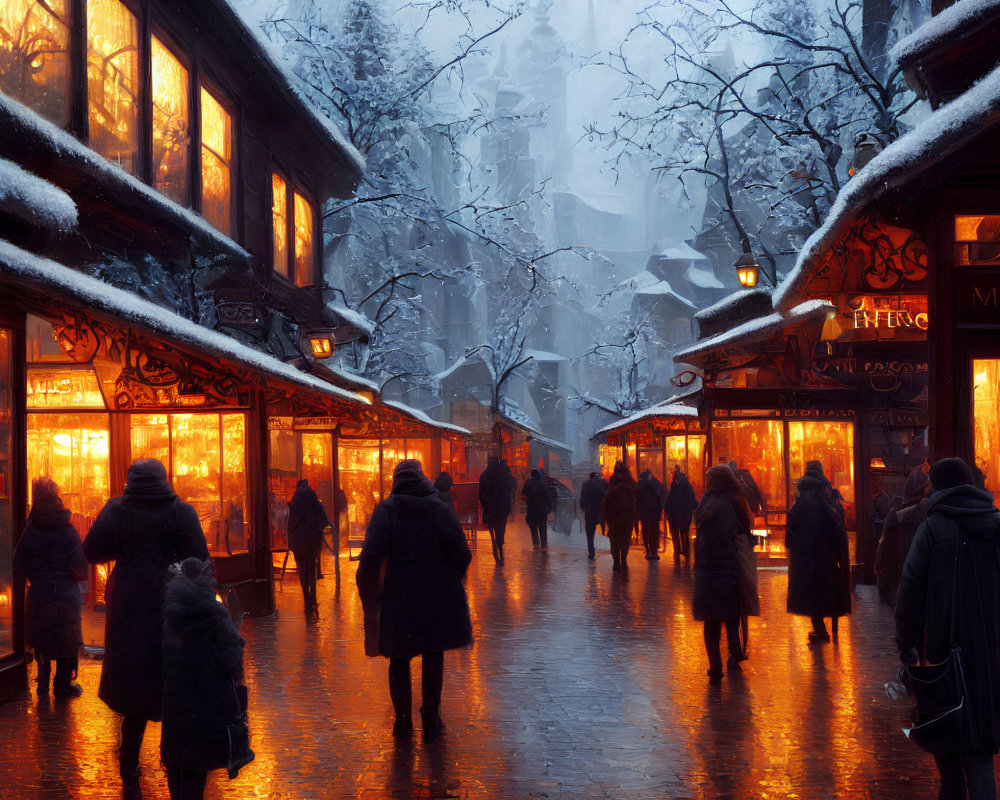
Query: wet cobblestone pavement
(583,683)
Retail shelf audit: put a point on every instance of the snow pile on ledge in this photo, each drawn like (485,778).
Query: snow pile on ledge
(940,27)
(35,200)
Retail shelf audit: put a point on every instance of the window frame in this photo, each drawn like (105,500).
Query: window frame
(194,137)
(293,188)
(220,97)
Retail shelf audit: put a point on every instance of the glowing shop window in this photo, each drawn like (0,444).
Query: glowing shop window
(607,456)
(279,223)
(757,446)
(985,399)
(977,240)
(303,241)
(216,142)
(170,124)
(113,81)
(357,460)
(832,444)
(6,507)
(34,59)
(63,388)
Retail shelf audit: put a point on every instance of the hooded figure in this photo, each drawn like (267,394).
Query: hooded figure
(306,521)
(496,490)
(725,572)
(443,484)
(955,557)
(202,667)
(618,512)
(49,554)
(819,564)
(591,495)
(424,610)
(900,527)
(649,508)
(143,532)
(680,505)
(538,504)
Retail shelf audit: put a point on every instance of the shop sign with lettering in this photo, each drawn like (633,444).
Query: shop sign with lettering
(868,366)
(315,423)
(873,317)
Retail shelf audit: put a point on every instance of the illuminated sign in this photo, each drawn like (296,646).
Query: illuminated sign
(888,312)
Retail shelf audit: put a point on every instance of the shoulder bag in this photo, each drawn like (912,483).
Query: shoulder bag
(238,734)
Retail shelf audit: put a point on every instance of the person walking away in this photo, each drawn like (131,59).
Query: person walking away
(900,527)
(649,507)
(591,495)
(819,564)
(51,557)
(755,497)
(202,668)
(496,489)
(538,504)
(306,521)
(143,532)
(680,505)
(418,540)
(724,586)
(618,512)
(443,484)
(952,571)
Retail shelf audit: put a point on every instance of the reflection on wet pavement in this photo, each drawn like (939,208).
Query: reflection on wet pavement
(583,683)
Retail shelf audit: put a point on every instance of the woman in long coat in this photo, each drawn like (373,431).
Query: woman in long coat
(417,539)
(680,505)
(50,555)
(144,531)
(202,667)
(725,573)
(306,521)
(618,513)
(819,568)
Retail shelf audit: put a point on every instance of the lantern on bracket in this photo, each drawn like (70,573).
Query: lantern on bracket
(747,270)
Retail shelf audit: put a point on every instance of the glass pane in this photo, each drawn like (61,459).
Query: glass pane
(196,444)
(607,456)
(282,475)
(977,240)
(303,242)
(985,397)
(151,438)
(34,62)
(651,458)
(757,446)
(6,511)
(695,463)
(279,224)
(170,124)
(393,451)
(832,444)
(113,81)
(63,388)
(236,523)
(359,478)
(216,137)
(317,466)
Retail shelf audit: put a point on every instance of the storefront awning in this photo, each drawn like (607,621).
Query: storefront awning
(661,410)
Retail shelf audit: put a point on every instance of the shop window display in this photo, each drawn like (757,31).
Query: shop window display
(6,509)
(113,81)
(687,452)
(34,56)
(986,422)
(357,460)
(832,444)
(757,446)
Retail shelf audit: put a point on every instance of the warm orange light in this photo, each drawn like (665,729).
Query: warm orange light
(170,123)
(113,81)
(747,276)
(877,463)
(986,419)
(303,241)
(322,347)
(279,223)
(34,47)
(216,144)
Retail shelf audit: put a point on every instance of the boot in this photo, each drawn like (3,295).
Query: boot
(500,555)
(44,671)
(433,725)
(131,790)
(403,728)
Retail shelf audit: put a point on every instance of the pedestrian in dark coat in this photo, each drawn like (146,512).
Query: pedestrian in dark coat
(819,563)
(591,495)
(202,668)
(649,507)
(680,504)
(50,556)
(956,556)
(306,521)
(538,505)
(897,534)
(755,497)
(424,610)
(618,512)
(725,585)
(143,532)
(443,484)
(496,492)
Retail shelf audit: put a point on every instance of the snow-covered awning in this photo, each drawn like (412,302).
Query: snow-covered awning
(658,411)
(646,283)
(681,252)
(901,163)
(941,28)
(422,417)
(28,197)
(25,267)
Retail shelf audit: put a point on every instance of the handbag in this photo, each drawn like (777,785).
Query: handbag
(941,724)
(238,734)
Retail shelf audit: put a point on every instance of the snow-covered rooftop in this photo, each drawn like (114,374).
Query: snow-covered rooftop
(941,27)
(703,277)
(902,162)
(659,410)
(729,301)
(647,283)
(757,327)
(109,299)
(30,198)
(682,251)
(544,356)
(420,415)
(355,318)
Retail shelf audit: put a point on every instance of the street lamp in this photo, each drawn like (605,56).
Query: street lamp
(747,270)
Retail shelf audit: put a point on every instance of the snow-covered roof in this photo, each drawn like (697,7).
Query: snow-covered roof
(757,327)
(703,277)
(544,356)
(902,162)
(682,251)
(64,144)
(420,415)
(102,297)
(659,410)
(355,318)
(942,27)
(728,301)
(647,283)
(34,200)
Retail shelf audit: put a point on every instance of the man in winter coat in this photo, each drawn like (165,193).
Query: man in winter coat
(423,607)
(819,563)
(306,521)
(49,554)
(496,490)
(143,532)
(649,507)
(680,505)
(538,505)
(618,512)
(591,495)
(202,668)
(725,573)
(900,527)
(955,558)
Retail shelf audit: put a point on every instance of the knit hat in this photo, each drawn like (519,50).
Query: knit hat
(949,472)
(814,468)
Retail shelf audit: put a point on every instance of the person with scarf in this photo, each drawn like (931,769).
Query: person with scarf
(144,531)
(416,541)
(50,555)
